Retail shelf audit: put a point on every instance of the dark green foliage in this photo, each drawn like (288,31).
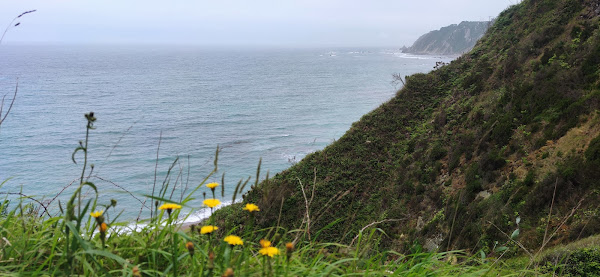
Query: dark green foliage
(473,179)
(503,130)
(437,152)
(583,262)
(592,153)
(540,196)
(569,168)
(586,228)
(419,82)
(492,160)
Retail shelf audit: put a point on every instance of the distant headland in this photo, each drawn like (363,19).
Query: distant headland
(454,39)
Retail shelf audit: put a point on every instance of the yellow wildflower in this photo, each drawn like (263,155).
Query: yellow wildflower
(233,240)
(212,185)
(264,243)
(269,251)
(96,214)
(208,229)
(169,206)
(251,207)
(211,203)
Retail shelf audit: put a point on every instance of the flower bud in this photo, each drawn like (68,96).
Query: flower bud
(103,227)
(190,247)
(228,272)
(135,272)
(289,249)
(211,261)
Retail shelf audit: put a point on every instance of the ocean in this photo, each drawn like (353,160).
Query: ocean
(270,103)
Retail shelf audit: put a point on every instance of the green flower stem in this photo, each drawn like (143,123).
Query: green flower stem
(174,245)
(264,271)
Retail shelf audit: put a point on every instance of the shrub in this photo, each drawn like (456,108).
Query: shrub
(583,262)
(592,153)
(492,160)
(503,130)
(473,179)
(437,152)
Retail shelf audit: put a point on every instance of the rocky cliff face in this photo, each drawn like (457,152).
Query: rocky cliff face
(450,40)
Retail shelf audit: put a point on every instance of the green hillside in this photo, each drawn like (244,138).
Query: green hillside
(506,131)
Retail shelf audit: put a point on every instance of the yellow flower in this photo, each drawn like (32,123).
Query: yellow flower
(269,251)
(212,185)
(211,203)
(96,214)
(251,208)
(208,229)
(169,206)
(233,240)
(264,243)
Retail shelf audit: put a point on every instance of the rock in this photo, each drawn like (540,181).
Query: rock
(483,195)
(420,223)
(433,244)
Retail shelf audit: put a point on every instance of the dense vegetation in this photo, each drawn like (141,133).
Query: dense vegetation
(507,131)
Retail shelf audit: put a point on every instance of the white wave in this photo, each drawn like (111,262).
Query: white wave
(201,214)
(424,57)
(412,56)
(280,136)
(190,218)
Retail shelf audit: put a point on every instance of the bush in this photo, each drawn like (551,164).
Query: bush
(592,153)
(583,262)
(492,161)
(503,130)
(473,179)
(437,152)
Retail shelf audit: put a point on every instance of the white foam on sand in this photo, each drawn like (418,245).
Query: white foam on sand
(192,217)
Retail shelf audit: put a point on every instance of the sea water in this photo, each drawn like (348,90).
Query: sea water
(179,103)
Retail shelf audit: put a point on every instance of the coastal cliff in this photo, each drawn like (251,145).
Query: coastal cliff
(450,40)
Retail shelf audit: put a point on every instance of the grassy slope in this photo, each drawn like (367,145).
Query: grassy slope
(513,118)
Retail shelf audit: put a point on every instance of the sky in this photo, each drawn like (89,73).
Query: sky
(306,23)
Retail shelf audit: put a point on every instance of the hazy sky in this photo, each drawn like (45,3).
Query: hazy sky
(239,22)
